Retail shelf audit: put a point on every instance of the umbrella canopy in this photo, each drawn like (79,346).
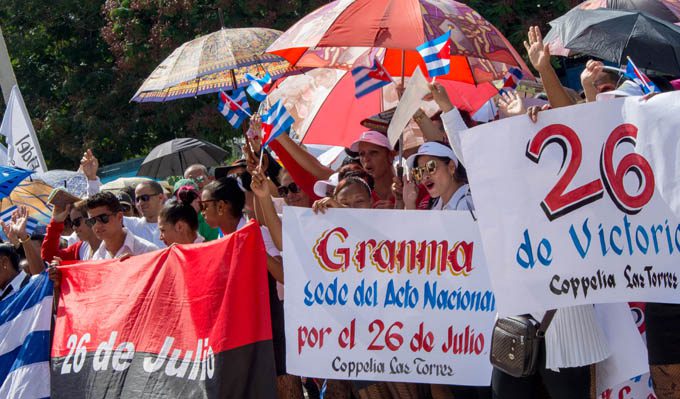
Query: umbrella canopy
(214,62)
(480,52)
(326,111)
(173,157)
(33,194)
(613,35)
(122,183)
(10,178)
(668,10)
(73,182)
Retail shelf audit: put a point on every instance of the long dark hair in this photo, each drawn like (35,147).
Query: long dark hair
(179,208)
(227,189)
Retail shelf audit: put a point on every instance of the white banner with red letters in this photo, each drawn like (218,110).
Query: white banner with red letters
(384,295)
(568,212)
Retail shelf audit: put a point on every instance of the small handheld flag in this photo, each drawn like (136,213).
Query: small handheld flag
(511,79)
(275,122)
(368,79)
(235,110)
(259,87)
(633,73)
(437,55)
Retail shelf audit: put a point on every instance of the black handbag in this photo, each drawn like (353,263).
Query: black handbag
(515,343)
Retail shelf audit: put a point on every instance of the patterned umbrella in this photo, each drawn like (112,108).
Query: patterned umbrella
(214,62)
(326,112)
(33,194)
(481,52)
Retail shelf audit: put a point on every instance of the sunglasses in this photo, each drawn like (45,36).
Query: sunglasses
(77,221)
(430,167)
(125,208)
(204,204)
(145,197)
(104,218)
(291,188)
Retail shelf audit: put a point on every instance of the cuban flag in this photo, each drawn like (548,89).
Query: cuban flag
(259,88)
(633,73)
(437,55)
(511,79)
(25,318)
(368,79)
(235,110)
(6,217)
(275,122)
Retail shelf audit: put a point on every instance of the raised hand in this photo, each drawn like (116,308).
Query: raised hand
(539,53)
(60,213)
(511,103)
(440,96)
(410,193)
(89,165)
(259,184)
(589,74)
(18,224)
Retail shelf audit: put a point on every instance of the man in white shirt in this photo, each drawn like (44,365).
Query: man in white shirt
(150,197)
(11,277)
(106,219)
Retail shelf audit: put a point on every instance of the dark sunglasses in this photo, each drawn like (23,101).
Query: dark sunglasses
(77,221)
(104,218)
(204,204)
(145,197)
(125,208)
(291,188)
(430,167)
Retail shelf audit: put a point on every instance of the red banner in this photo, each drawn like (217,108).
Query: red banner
(187,321)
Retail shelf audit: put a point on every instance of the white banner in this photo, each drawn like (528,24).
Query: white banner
(569,214)
(387,296)
(22,144)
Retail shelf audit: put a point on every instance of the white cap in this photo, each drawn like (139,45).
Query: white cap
(434,149)
(321,186)
(372,137)
(627,89)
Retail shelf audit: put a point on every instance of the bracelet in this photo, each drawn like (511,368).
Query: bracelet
(25,240)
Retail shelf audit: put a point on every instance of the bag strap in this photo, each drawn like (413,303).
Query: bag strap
(545,323)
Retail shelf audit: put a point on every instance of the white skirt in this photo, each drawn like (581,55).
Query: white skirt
(574,338)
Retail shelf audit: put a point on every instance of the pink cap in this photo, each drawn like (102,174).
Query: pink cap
(372,137)
(676,84)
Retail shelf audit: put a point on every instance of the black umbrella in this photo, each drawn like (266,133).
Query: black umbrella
(173,157)
(668,10)
(613,35)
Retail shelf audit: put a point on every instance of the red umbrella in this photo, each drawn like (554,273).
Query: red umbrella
(326,111)
(481,52)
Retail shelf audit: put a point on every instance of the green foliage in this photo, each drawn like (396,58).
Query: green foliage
(78,63)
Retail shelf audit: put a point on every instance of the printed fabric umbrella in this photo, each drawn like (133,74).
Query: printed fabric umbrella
(11,178)
(668,10)
(32,194)
(326,111)
(214,62)
(173,157)
(613,35)
(73,182)
(480,52)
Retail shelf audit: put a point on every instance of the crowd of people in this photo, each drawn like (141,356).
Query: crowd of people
(208,204)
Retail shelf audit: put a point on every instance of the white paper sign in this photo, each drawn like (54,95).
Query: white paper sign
(387,296)
(569,214)
(410,101)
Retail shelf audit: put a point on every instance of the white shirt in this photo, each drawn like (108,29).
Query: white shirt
(143,229)
(453,125)
(85,253)
(461,200)
(132,245)
(15,284)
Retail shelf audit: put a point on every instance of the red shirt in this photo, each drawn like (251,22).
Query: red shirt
(50,246)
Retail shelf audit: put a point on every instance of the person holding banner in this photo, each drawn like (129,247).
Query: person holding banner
(106,219)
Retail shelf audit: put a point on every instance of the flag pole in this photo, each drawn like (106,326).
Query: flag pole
(400,168)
